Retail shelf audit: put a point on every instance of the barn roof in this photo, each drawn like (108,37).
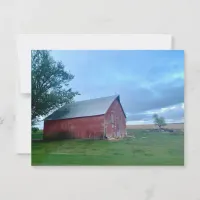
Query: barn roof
(86,108)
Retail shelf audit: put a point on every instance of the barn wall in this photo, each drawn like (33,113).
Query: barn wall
(117,127)
(86,127)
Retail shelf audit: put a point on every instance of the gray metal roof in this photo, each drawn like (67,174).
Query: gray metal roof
(85,108)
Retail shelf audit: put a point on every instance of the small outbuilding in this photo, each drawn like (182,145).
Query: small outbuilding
(88,119)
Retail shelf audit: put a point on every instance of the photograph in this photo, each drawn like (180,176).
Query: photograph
(107,107)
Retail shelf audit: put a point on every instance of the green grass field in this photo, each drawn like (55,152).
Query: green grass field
(147,148)
(37,135)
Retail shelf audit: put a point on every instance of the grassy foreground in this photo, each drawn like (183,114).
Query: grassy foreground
(147,148)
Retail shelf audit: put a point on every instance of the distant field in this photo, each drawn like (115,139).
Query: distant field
(152,126)
(139,148)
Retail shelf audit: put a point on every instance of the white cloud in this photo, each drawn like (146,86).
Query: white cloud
(172,114)
(164,110)
(128,114)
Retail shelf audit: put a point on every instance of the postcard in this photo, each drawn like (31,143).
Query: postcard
(107,107)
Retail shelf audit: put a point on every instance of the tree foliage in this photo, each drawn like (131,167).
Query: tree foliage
(50,84)
(159,121)
(35,129)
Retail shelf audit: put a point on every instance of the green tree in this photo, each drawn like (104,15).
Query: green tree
(159,121)
(50,84)
(35,129)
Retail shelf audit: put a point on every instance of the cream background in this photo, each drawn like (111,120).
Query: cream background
(177,17)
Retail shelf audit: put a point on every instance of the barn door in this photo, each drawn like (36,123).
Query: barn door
(117,129)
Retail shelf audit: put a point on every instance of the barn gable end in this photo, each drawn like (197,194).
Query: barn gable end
(115,120)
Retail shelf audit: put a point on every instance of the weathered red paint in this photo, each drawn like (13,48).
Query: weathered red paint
(90,127)
(115,120)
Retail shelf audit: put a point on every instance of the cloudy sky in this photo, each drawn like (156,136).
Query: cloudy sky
(148,82)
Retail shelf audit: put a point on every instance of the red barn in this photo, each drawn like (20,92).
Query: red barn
(94,118)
